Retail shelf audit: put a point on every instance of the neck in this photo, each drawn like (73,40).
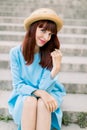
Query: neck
(36,49)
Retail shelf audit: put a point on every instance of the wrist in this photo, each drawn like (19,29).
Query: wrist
(38,93)
(54,72)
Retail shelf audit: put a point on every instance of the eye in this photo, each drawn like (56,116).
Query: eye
(50,34)
(43,30)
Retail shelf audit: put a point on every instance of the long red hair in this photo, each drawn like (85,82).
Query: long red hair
(29,43)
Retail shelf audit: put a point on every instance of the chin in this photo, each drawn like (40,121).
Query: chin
(40,45)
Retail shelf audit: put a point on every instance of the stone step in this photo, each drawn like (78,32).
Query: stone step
(20,19)
(73,38)
(4,61)
(73,105)
(74,82)
(9,125)
(5,46)
(67,49)
(74,64)
(12,8)
(75,22)
(9,19)
(69,64)
(11,27)
(66,28)
(11,36)
(12,126)
(64,38)
(74,49)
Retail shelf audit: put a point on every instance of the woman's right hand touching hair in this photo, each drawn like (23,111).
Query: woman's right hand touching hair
(49,100)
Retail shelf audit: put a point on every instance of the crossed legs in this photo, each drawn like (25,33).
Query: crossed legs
(35,116)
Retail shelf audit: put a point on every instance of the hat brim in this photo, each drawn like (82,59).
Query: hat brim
(28,21)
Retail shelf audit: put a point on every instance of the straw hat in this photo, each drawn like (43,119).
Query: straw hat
(43,14)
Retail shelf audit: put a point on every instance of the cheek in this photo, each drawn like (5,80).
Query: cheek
(49,38)
(38,35)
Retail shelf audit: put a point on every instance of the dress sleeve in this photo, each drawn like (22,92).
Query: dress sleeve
(58,92)
(46,80)
(18,83)
(52,86)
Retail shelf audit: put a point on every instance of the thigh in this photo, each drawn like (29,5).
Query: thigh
(18,108)
(30,101)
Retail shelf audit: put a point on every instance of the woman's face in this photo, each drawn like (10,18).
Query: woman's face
(42,36)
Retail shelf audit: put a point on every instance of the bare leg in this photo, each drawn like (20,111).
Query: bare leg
(43,116)
(28,121)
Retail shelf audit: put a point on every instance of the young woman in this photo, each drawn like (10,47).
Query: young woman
(35,64)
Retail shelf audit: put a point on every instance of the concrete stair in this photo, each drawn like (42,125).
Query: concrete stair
(67,9)
(64,38)
(73,39)
(67,49)
(14,30)
(71,105)
(66,29)
(74,82)
(71,63)
(19,20)
(11,126)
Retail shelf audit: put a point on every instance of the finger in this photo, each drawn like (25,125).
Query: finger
(47,106)
(50,107)
(54,54)
(58,52)
(55,105)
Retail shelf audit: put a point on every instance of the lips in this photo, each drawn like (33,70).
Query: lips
(42,41)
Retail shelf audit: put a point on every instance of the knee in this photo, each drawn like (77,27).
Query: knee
(41,104)
(30,102)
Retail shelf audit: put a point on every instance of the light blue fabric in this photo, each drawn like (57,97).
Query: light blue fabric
(26,79)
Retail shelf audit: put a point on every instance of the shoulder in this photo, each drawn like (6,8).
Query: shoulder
(15,50)
(14,53)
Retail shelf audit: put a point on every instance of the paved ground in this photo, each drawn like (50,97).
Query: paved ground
(12,126)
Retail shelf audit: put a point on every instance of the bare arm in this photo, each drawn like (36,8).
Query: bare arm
(56,59)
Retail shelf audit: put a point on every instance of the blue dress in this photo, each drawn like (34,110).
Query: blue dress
(26,79)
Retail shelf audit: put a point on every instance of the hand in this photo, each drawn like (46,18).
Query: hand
(49,101)
(56,59)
